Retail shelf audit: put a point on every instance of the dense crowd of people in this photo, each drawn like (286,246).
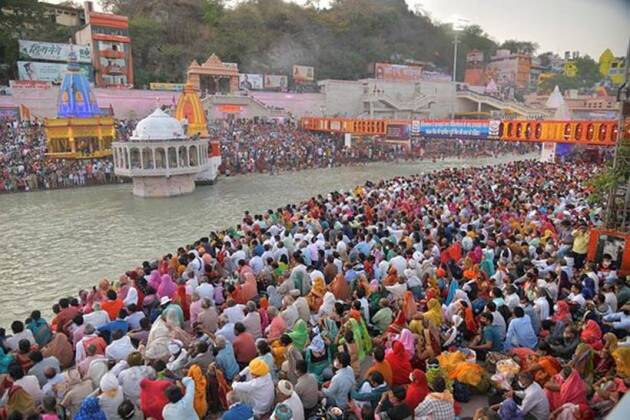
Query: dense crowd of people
(399,299)
(246,146)
(272,146)
(24,167)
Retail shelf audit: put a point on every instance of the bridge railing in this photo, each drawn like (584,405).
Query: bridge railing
(585,132)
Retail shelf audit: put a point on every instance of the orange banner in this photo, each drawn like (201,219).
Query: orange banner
(230,109)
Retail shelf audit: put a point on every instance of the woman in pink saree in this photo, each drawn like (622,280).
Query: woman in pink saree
(566,390)
(167,287)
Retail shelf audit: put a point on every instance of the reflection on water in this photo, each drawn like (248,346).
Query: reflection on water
(52,243)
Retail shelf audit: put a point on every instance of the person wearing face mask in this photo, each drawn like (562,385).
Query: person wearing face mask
(567,345)
(341,384)
(535,402)
(619,322)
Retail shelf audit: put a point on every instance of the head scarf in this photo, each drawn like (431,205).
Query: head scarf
(434,312)
(167,287)
(340,288)
(319,287)
(299,334)
(258,367)
(361,337)
(61,348)
(584,360)
(109,382)
(328,306)
(407,340)
(563,313)
(418,389)
(398,359)
(409,306)
(592,334)
(90,410)
(200,402)
(622,361)
(610,342)
(317,344)
(573,390)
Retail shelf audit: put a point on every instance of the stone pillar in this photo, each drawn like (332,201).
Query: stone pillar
(347,140)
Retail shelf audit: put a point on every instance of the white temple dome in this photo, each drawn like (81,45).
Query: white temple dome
(158,126)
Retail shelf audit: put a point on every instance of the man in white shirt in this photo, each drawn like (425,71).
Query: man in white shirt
(541,305)
(535,402)
(97,317)
(576,296)
(120,346)
(226,328)
(19,333)
(258,392)
(206,291)
(287,396)
(497,319)
(399,263)
(234,312)
(29,383)
(257,264)
(290,312)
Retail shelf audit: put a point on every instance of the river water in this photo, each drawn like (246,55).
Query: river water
(53,243)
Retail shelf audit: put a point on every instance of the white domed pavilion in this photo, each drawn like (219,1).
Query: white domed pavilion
(161,160)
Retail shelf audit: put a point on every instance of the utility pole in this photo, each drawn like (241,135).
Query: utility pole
(454,99)
(455,56)
(618,204)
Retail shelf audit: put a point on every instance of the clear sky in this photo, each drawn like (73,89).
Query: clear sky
(588,26)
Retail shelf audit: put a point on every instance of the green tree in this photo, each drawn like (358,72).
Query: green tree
(515,46)
(24,19)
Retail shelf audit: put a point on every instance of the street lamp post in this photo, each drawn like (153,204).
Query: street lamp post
(455,56)
(459,24)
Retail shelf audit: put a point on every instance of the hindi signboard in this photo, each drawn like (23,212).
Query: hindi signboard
(176,87)
(29,84)
(48,72)
(454,129)
(399,72)
(53,51)
(303,73)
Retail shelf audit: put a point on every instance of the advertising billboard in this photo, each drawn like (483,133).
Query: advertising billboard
(29,84)
(432,129)
(248,81)
(176,87)
(303,73)
(48,72)
(400,72)
(435,76)
(397,131)
(276,81)
(52,51)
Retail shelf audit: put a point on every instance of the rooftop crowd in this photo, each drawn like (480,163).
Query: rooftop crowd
(271,146)
(400,299)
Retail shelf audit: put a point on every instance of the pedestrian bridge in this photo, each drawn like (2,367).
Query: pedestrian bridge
(586,132)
